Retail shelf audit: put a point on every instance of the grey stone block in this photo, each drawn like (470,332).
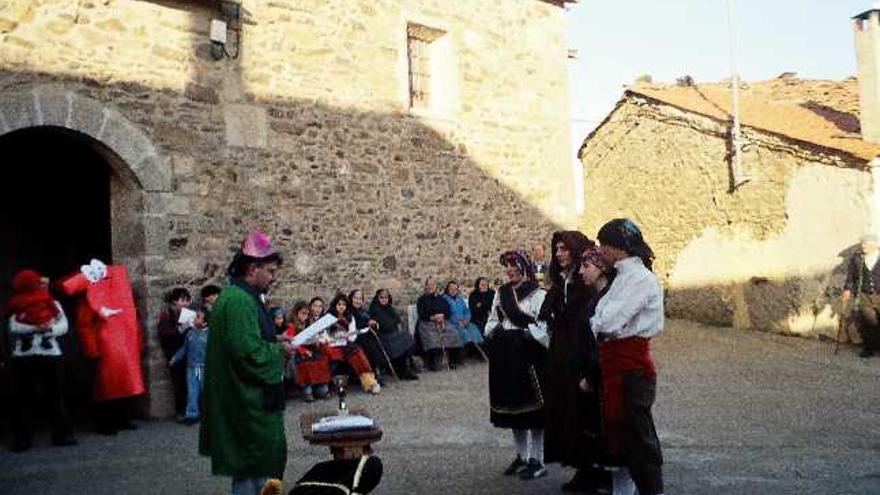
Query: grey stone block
(125,139)
(18,111)
(87,116)
(54,107)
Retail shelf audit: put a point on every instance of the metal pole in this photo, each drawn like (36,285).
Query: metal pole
(737,178)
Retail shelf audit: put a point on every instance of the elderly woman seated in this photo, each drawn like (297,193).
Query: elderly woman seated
(436,334)
(396,341)
(460,318)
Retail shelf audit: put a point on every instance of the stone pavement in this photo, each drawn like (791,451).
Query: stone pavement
(738,413)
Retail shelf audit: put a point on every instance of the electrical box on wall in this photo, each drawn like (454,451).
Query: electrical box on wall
(218,31)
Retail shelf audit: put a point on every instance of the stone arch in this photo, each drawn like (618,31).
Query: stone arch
(50,105)
(141,188)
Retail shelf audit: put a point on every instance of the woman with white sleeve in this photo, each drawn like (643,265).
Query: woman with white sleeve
(516,364)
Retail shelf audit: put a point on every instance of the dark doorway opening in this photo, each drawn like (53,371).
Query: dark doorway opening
(55,217)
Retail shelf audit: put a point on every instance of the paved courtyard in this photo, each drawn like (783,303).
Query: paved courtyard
(738,413)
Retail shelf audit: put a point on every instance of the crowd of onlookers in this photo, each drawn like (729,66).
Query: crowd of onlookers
(369,340)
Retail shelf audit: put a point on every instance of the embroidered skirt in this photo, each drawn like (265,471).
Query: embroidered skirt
(516,380)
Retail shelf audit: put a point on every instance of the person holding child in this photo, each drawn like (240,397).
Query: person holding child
(36,321)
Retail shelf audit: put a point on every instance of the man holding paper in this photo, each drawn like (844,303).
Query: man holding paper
(243,425)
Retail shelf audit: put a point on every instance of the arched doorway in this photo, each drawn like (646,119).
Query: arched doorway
(57,204)
(107,186)
(56,217)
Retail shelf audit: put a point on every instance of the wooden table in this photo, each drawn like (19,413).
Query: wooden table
(344,439)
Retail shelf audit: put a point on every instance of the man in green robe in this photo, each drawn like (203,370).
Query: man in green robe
(243,426)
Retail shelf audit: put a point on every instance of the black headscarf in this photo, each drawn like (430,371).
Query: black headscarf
(622,233)
(384,314)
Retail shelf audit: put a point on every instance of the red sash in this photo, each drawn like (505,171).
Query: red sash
(616,358)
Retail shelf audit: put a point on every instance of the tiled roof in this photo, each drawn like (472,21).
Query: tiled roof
(824,113)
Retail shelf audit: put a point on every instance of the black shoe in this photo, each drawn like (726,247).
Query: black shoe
(128,425)
(593,482)
(534,469)
(106,430)
(866,353)
(20,446)
(517,466)
(65,441)
(409,375)
(190,421)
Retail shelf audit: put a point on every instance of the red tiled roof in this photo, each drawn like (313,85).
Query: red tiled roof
(825,113)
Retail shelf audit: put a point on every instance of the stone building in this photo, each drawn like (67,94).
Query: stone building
(769,254)
(376,142)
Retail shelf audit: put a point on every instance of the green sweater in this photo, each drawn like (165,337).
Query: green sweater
(242,439)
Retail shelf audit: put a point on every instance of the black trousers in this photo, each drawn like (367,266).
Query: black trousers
(869,326)
(640,442)
(29,374)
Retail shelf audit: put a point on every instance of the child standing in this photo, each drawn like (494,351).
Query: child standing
(171,338)
(193,349)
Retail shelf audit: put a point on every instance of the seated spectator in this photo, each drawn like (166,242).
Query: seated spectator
(279,320)
(209,294)
(437,336)
(193,350)
(397,342)
(171,337)
(338,343)
(36,321)
(366,335)
(460,318)
(309,365)
(480,303)
(316,309)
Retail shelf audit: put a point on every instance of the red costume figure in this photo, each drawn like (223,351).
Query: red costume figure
(108,329)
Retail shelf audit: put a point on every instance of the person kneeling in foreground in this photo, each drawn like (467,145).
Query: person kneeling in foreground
(352,471)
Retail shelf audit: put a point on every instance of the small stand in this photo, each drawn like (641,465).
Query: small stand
(344,439)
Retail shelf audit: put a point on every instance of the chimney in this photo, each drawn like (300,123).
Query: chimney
(867,31)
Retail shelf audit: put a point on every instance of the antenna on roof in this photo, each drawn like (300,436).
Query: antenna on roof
(737,178)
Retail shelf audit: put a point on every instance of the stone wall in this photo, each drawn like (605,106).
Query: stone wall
(308,134)
(769,256)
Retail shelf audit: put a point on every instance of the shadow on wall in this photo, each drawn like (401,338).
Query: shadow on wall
(352,198)
(803,305)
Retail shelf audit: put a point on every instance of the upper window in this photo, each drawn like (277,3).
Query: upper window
(420,43)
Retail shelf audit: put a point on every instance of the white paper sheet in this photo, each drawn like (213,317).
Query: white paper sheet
(186,319)
(311,332)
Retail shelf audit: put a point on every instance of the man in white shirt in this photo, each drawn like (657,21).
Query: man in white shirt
(626,318)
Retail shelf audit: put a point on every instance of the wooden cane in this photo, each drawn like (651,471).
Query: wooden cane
(387,359)
(443,355)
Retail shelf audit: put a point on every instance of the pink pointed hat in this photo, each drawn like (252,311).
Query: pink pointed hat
(257,245)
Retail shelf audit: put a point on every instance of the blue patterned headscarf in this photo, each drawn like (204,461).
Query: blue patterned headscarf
(521,260)
(623,234)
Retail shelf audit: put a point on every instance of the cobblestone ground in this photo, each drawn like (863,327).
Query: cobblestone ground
(738,412)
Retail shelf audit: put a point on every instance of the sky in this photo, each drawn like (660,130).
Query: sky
(618,40)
